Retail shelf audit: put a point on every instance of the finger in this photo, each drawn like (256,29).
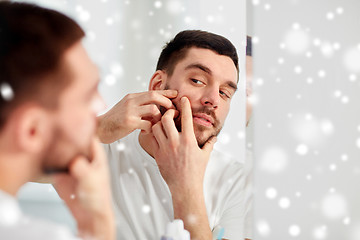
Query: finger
(186,116)
(79,167)
(159,134)
(150,110)
(209,145)
(160,97)
(169,125)
(145,126)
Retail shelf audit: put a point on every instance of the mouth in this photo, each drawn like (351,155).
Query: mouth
(203,119)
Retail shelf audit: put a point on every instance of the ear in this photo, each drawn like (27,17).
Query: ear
(33,129)
(158,80)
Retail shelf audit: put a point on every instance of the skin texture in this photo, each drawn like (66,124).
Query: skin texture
(181,140)
(37,139)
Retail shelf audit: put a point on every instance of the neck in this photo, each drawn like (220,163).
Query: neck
(14,172)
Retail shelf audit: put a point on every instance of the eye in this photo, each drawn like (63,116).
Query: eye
(197,82)
(224,94)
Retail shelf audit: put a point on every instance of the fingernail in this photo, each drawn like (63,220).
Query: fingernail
(183,99)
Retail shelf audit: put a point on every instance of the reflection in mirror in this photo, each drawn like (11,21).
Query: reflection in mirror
(125,38)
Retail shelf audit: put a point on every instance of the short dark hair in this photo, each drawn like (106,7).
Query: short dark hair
(177,48)
(33,41)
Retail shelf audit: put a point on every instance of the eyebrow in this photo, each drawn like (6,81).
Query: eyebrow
(208,71)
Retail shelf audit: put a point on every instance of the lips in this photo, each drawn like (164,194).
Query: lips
(203,119)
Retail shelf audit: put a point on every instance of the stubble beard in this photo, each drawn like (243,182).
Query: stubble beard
(55,155)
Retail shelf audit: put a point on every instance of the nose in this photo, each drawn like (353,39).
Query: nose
(211,98)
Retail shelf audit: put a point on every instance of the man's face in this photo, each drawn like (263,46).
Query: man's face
(209,81)
(75,118)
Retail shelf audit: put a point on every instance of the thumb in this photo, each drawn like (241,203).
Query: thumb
(209,145)
(79,167)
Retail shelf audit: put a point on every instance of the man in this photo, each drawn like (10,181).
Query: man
(165,171)
(48,106)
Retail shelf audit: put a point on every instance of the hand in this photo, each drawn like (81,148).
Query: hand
(86,191)
(181,162)
(134,111)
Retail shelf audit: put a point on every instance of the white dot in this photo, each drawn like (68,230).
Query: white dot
(332,167)
(255,2)
(131,171)
(72,196)
(282,45)
(297,41)
(320,232)
(158,4)
(174,6)
(224,138)
(346,221)
(255,40)
(91,35)
(163,200)
(296,26)
(308,116)
(84,16)
(308,54)
(267,6)
(345,99)
(151,13)
(336,46)
(241,135)
(327,127)
(334,206)
(210,19)
(120,146)
(330,16)
(352,77)
(6,92)
(289,115)
(259,82)
(308,177)
(273,160)
(344,157)
(263,228)
(110,80)
(302,149)
(298,96)
(309,80)
(117,70)
(316,42)
(337,93)
(146,209)
(298,69)
(284,202)
(109,21)
(327,49)
(269,125)
(352,59)
(321,73)
(188,19)
(332,190)
(298,194)
(294,230)
(271,193)
(280,60)
(339,10)
(358,142)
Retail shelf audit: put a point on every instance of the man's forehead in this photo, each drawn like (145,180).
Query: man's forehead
(209,62)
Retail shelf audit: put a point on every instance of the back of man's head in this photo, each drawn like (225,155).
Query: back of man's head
(32,43)
(176,49)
